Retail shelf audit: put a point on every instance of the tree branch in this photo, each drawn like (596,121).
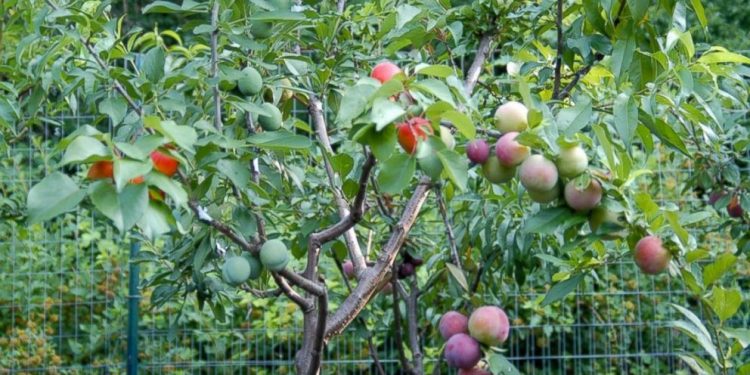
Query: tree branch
(448,228)
(315,109)
(374,276)
(397,326)
(472,76)
(340,6)
(224,229)
(215,63)
(320,329)
(302,302)
(560,50)
(309,286)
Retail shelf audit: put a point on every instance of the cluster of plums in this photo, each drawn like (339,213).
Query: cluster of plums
(162,161)
(240,268)
(487,325)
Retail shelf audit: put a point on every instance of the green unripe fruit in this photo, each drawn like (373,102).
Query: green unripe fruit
(272,122)
(236,270)
(497,173)
(286,94)
(274,255)
(572,161)
(541,196)
(251,82)
(261,30)
(255,267)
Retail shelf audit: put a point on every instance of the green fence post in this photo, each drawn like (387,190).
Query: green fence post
(134,298)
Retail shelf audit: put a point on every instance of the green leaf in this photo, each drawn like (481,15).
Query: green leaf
(695,329)
(742,335)
(153,64)
(626,117)
(700,12)
(342,164)
(455,166)
(385,112)
(458,275)
(188,6)
(720,56)
(440,71)
(725,302)
(133,202)
(278,15)
(714,271)
(280,140)
(622,56)
(114,107)
(435,88)
(55,194)
(562,289)
(499,365)
(183,136)
(236,171)
(84,149)
(547,220)
(396,173)
(572,120)
(406,13)
(382,143)
(354,102)
(155,221)
(663,131)
(638,8)
(388,89)
(126,170)
(697,364)
(173,189)
(463,123)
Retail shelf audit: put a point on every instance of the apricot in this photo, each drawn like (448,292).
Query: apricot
(510,152)
(497,173)
(537,173)
(236,270)
(101,170)
(384,71)
(411,132)
(164,163)
(452,323)
(512,117)
(462,351)
(541,196)
(478,151)
(274,255)
(572,161)
(272,121)
(734,209)
(650,256)
(348,268)
(251,82)
(583,200)
(489,325)
(473,371)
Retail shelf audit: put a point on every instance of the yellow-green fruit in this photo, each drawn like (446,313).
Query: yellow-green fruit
(497,173)
(273,120)
(255,267)
(447,137)
(286,94)
(274,255)
(236,270)
(260,29)
(251,81)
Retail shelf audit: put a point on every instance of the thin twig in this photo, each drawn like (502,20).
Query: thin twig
(309,286)
(303,303)
(397,325)
(215,63)
(472,76)
(412,317)
(560,50)
(224,229)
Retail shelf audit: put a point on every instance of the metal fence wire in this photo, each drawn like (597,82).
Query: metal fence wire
(64,304)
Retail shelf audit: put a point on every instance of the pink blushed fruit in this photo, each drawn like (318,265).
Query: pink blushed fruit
(478,151)
(510,152)
(489,325)
(538,173)
(650,256)
(452,323)
(583,200)
(462,351)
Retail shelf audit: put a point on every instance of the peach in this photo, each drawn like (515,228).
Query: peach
(489,325)
(538,173)
(650,256)
(583,200)
(510,152)
(462,351)
(478,151)
(452,323)
(572,161)
(512,117)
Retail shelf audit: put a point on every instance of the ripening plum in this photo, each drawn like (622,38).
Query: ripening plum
(583,200)
(497,173)
(716,195)
(348,268)
(384,71)
(478,151)
(512,117)
(473,371)
(489,325)
(274,255)
(462,351)
(572,161)
(650,256)
(537,173)
(734,209)
(510,152)
(405,270)
(452,323)
(542,196)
